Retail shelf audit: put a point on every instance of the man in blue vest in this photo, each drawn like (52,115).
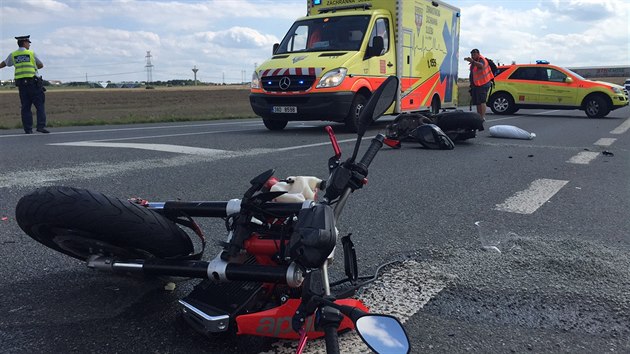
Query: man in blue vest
(30,85)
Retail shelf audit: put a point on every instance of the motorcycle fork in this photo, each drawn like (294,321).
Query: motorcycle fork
(350,258)
(325,278)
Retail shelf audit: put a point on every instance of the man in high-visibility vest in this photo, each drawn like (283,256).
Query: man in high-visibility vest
(30,85)
(480,80)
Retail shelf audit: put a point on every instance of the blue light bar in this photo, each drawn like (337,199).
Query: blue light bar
(317,2)
(542,62)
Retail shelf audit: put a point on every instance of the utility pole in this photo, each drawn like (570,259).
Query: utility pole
(194,70)
(149,67)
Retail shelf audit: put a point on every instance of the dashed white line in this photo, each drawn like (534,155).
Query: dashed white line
(622,128)
(532,198)
(583,157)
(605,141)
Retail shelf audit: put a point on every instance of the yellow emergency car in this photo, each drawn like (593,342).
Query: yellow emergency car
(543,85)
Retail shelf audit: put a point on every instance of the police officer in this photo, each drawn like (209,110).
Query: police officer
(30,85)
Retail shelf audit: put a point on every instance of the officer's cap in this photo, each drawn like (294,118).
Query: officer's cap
(24,38)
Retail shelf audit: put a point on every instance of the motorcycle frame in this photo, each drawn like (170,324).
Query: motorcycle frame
(272,322)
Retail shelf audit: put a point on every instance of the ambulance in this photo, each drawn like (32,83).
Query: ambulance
(330,61)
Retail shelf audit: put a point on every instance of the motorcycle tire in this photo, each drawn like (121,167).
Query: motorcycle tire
(455,120)
(81,223)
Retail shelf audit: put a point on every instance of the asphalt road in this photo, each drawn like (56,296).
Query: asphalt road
(557,206)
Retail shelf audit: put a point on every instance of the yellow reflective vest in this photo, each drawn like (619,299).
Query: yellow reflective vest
(24,62)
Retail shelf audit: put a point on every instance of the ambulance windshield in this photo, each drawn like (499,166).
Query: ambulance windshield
(343,33)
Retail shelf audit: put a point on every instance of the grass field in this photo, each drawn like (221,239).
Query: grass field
(71,107)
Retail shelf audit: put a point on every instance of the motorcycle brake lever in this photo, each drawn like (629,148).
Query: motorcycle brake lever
(333,141)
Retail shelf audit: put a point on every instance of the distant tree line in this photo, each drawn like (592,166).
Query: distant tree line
(111,84)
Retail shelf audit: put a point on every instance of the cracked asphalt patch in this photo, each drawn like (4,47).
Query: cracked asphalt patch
(576,292)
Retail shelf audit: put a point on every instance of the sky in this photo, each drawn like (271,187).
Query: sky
(108,40)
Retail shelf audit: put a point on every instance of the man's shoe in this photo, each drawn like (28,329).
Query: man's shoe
(43,130)
(28,132)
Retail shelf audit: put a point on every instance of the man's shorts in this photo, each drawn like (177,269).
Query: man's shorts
(479,94)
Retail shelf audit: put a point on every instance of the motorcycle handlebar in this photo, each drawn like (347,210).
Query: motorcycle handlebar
(375,146)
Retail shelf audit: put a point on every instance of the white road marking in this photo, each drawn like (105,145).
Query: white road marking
(182,149)
(547,112)
(179,149)
(622,128)
(172,135)
(529,200)
(605,141)
(583,157)
(498,119)
(141,127)
(401,291)
(52,176)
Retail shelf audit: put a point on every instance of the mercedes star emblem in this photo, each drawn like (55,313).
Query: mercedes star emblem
(285,82)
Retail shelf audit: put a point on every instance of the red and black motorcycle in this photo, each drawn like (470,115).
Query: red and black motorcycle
(270,277)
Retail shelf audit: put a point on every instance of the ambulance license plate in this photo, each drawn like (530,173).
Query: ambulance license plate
(284,109)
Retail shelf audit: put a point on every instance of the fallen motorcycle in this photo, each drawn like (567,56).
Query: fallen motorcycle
(271,276)
(433,131)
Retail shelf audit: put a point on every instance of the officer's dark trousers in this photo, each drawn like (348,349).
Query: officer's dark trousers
(32,94)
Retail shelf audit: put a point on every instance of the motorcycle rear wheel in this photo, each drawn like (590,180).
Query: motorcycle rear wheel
(81,223)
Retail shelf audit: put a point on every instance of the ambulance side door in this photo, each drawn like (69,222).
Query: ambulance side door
(383,63)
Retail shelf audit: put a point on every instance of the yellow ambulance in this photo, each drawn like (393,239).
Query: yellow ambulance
(330,61)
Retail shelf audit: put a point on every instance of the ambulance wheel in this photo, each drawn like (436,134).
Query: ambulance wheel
(435,105)
(273,124)
(502,103)
(352,120)
(595,107)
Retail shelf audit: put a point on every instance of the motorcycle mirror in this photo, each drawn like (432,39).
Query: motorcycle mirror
(258,181)
(378,103)
(383,334)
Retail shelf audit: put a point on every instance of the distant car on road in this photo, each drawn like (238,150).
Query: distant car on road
(543,85)
(626,86)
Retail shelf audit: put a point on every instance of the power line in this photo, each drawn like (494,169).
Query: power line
(96,65)
(98,75)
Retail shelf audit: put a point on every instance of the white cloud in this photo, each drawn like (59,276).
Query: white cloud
(587,10)
(75,37)
(239,37)
(568,33)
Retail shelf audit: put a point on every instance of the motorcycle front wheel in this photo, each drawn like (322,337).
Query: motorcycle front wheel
(81,223)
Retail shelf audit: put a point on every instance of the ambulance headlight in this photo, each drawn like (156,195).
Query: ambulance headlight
(255,81)
(616,90)
(332,78)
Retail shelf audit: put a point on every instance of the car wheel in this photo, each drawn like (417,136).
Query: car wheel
(352,120)
(273,124)
(596,107)
(502,103)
